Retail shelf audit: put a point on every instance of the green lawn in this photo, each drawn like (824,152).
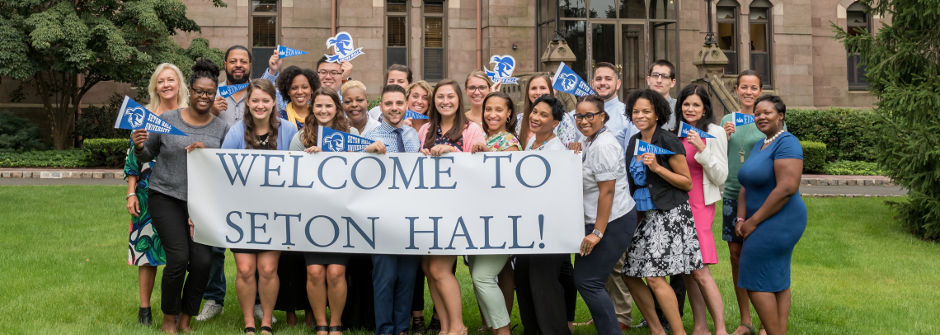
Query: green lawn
(63,258)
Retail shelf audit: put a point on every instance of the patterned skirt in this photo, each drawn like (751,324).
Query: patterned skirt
(665,244)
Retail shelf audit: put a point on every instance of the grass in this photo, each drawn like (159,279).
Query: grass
(64,270)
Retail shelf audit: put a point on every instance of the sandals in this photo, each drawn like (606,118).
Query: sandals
(336,329)
(750,329)
(249,330)
(322,329)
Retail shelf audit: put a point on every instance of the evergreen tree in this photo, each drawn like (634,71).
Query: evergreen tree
(903,69)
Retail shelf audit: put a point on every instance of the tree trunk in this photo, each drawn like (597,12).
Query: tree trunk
(62,122)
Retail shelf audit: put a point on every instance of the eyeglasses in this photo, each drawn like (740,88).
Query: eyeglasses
(208,94)
(658,75)
(586,116)
(477,88)
(331,73)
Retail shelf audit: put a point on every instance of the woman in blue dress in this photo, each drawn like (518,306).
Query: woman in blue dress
(775,215)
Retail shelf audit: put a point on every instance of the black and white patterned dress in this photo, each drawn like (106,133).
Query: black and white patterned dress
(665,242)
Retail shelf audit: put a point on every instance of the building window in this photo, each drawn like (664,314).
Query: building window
(629,33)
(761,40)
(727,34)
(857,22)
(433,51)
(264,33)
(396,41)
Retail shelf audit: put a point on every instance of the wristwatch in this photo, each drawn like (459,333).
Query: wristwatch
(598,233)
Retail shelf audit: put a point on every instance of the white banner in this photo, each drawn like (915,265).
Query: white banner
(457,204)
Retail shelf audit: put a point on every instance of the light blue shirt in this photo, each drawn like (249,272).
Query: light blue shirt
(619,125)
(235,138)
(386,133)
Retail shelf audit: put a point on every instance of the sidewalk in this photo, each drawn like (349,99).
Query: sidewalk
(811,185)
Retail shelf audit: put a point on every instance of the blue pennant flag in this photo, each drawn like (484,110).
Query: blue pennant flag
(410,114)
(343,49)
(227,90)
(284,52)
(741,119)
(133,116)
(566,80)
(686,128)
(643,147)
(502,72)
(332,140)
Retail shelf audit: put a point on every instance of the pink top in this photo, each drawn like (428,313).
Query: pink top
(473,133)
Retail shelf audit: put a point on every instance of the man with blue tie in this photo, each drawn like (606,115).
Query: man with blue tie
(393,276)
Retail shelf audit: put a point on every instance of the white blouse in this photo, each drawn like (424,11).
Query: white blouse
(604,160)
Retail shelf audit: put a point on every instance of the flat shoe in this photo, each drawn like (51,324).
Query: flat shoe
(144,316)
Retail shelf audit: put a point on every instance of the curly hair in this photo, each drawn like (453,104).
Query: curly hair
(598,104)
(311,124)
(287,77)
(659,103)
(435,117)
(204,68)
(251,141)
(511,122)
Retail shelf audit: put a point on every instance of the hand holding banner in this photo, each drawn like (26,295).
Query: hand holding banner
(343,49)
(332,140)
(741,119)
(643,147)
(227,90)
(133,116)
(401,203)
(566,80)
(284,52)
(502,72)
(410,114)
(686,128)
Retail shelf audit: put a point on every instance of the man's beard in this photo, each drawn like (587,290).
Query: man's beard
(608,96)
(230,80)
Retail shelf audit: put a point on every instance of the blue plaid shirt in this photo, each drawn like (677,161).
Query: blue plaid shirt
(386,133)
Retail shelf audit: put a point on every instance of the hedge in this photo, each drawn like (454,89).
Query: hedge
(855,168)
(106,152)
(814,156)
(71,158)
(18,134)
(849,134)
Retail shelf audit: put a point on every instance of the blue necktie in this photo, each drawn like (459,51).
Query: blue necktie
(401,142)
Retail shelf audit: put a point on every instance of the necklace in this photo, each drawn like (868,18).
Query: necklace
(767,141)
(263,140)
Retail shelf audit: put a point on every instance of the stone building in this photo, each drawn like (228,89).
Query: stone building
(790,42)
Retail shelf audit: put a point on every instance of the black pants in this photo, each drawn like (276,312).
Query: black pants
(540,293)
(170,219)
(566,277)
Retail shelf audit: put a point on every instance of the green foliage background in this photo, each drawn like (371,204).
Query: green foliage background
(902,62)
(60,49)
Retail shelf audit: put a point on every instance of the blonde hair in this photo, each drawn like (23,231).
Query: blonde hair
(478,74)
(182,98)
(352,84)
(420,83)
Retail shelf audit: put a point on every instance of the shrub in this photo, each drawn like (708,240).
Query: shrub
(849,134)
(374,102)
(855,168)
(18,134)
(71,158)
(107,152)
(98,121)
(814,156)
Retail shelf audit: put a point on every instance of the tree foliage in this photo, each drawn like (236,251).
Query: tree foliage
(903,68)
(61,49)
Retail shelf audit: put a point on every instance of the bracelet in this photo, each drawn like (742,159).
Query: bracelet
(130,195)
(739,219)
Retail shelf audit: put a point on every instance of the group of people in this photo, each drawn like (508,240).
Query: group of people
(647,218)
